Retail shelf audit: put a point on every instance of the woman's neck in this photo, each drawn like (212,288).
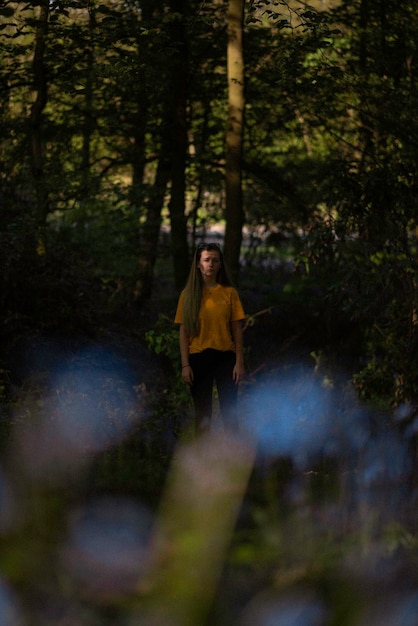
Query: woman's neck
(209,283)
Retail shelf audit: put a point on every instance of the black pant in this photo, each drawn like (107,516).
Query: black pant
(208,367)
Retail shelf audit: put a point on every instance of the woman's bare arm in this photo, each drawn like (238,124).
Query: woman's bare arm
(186,370)
(237,334)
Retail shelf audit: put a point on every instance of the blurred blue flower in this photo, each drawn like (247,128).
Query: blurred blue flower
(91,405)
(107,551)
(294,609)
(10,613)
(300,418)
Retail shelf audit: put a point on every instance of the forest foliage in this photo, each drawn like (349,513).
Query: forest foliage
(116,159)
(114,120)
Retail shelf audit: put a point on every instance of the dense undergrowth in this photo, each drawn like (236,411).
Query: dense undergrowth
(113,514)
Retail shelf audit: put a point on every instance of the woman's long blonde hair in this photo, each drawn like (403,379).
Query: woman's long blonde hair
(193,290)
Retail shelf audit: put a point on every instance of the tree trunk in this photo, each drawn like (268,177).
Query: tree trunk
(151,229)
(234,214)
(179,147)
(171,167)
(142,115)
(88,108)
(35,119)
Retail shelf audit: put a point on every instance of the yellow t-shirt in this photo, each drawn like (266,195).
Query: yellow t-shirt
(220,306)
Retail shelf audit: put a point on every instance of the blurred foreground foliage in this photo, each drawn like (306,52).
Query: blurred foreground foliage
(111,513)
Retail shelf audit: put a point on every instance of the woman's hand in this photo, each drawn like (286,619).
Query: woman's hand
(187,374)
(238,372)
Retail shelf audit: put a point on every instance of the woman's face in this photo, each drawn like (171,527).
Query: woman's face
(209,263)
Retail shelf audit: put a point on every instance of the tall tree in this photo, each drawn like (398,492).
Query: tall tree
(179,142)
(41,97)
(234,214)
(150,231)
(88,123)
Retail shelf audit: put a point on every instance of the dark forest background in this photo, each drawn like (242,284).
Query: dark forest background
(131,131)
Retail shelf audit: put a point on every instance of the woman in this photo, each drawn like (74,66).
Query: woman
(210,315)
